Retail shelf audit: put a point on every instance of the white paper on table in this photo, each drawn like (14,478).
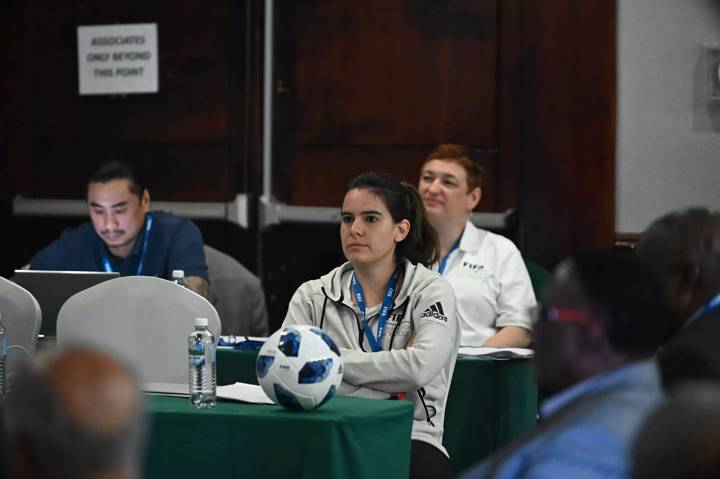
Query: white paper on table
(230,342)
(240,339)
(166,389)
(250,393)
(496,353)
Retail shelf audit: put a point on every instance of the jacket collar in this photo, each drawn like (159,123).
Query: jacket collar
(334,284)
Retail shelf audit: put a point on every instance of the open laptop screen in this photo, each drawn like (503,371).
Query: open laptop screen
(53,288)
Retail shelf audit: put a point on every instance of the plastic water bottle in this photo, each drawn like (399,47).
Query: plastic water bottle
(201,349)
(178,277)
(3,360)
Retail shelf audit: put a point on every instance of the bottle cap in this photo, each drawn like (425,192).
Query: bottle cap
(202,322)
(178,273)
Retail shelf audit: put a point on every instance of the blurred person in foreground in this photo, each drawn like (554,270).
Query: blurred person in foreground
(681,440)
(684,248)
(77,415)
(603,318)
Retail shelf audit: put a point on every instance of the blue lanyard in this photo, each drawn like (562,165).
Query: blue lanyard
(708,307)
(376,344)
(148,227)
(443,262)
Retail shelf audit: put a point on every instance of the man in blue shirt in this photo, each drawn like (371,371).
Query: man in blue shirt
(123,235)
(603,318)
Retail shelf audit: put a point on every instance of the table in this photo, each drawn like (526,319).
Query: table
(347,437)
(490,403)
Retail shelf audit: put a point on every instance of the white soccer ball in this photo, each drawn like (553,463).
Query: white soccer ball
(299,367)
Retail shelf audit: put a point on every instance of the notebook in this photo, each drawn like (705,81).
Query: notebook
(52,288)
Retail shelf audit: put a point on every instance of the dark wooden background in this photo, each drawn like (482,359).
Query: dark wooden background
(358,86)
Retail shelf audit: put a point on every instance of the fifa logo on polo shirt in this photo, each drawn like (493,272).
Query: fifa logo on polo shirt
(472,267)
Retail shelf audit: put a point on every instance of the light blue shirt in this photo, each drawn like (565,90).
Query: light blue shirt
(594,439)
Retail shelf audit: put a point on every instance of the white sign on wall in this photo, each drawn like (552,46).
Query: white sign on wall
(118,59)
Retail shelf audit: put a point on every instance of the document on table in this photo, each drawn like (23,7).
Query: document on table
(496,353)
(243,343)
(250,393)
(166,389)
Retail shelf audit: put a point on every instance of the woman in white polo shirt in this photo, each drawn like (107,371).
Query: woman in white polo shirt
(491,283)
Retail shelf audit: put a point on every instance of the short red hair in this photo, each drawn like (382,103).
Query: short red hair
(463,156)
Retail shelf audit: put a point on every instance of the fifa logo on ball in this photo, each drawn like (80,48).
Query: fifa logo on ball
(299,367)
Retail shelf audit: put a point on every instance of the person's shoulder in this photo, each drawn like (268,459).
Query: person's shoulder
(166,218)
(501,243)
(480,241)
(580,449)
(74,245)
(78,235)
(692,353)
(420,278)
(698,336)
(173,226)
(709,321)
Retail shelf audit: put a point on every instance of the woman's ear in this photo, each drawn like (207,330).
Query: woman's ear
(402,228)
(473,198)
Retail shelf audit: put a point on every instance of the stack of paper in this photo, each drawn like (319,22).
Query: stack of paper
(251,393)
(496,353)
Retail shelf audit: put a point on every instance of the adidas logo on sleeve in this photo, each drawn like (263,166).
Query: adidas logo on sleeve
(435,311)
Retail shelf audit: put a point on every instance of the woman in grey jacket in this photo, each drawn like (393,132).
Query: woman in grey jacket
(392,318)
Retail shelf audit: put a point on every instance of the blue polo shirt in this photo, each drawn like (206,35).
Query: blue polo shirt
(174,243)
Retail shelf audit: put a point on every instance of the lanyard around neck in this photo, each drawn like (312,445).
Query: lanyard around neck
(148,226)
(376,341)
(443,262)
(708,307)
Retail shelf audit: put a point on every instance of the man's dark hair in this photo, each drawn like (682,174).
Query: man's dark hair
(684,248)
(118,170)
(627,296)
(680,239)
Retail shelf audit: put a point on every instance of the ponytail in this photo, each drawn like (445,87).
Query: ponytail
(421,244)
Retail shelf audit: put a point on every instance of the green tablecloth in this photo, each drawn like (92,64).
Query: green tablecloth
(490,403)
(347,437)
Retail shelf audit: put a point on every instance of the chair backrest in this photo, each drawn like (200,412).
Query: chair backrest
(144,321)
(20,314)
(237,294)
(538,277)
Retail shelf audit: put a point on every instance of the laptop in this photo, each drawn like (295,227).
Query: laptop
(52,288)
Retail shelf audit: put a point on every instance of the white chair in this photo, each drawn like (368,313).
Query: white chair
(20,314)
(143,320)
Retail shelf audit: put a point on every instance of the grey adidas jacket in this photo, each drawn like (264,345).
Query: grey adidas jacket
(419,345)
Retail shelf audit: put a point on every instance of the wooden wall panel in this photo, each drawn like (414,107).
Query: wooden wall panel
(377,84)
(568,184)
(191,134)
(359,86)
(394,72)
